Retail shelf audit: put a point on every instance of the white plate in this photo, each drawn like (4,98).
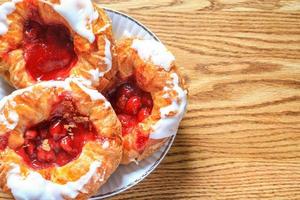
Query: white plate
(125,176)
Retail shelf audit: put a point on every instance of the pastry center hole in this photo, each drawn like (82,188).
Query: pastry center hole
(59,139)
(48,50)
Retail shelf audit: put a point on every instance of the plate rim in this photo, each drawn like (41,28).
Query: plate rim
(170,140)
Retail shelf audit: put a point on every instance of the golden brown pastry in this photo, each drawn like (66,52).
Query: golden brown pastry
(58,140)
(52,40)
(150,98)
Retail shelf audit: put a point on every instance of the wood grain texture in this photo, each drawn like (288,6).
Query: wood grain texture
(241,136)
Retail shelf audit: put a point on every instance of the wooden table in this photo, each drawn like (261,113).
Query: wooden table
(241,136)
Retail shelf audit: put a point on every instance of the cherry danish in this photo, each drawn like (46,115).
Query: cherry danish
(47,40)
(60,135)
(150,98)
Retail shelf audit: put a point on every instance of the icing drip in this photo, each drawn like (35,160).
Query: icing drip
(79,14)
(103,28)
(6,9)
(151,50)
(105,145)
(94,94)
(95,73)
(108,57)
(21,187)
(11,121)
(168,125)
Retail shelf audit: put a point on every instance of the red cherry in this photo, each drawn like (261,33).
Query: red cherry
(30,134)
(51,34)
(50,156)
(32,30)
(126,130)
(45,156)
(3,142)
(121,102)
(124,119)
(89,136)
(133,105)
(41,155)
(66,144)
(143,114)
(147,100)
(63,158)
(27,141)
(43,133)
(30,149)
(57,130)
(127,90)
(22,152)
(36,164)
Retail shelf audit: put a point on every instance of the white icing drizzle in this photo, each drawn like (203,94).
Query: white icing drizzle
(166,96)
(106,26)
(11,122)
(94,94)
(79,14)
(14,117)
(105,144)
(151,50)
(22,187)
(95,73)
(108,56)
(52,84)
(6,9)
(168,125)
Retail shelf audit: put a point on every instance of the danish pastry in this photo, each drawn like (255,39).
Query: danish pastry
(54,39)
(150,98)
(58,140)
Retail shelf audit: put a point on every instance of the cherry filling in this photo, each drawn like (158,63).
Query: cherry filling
(3,142)
(58,140)
(132,106)
(48,51)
